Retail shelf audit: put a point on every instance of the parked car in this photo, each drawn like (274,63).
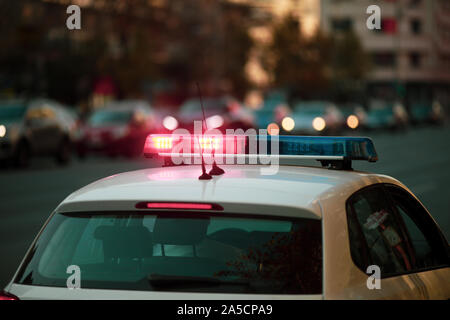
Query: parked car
(317,117)
(271,112)
(221,113)
(386,115)
(38,127)
(427,112)
(120,128)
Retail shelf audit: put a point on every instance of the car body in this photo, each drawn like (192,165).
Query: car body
(427,112)
(110,231)
(120,128)
(272,111)
(37,127)
(220,112)
(386,115)
(317,117)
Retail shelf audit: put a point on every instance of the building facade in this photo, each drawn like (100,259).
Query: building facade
(410,53)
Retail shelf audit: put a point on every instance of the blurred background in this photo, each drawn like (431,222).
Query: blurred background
(76,105)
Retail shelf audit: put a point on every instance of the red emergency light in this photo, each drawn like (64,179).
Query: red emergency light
(184,145)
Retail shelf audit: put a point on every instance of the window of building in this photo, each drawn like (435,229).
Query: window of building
(342,25)
(416,26)
(414,3)
(415,60)
(389,25)
(384,59)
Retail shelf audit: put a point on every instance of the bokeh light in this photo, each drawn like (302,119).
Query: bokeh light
(273,129)
(352,121)
(318,124)
(170,123)
(288,124)
(214,122)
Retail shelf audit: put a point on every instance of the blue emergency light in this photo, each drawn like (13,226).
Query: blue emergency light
(333,148)
(335,152)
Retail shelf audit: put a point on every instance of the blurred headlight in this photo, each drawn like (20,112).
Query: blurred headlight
(288,124)
(352,121)
(214,122)
(273,129)
(318,124)
(2,131)
(170,123)
(437,108)
(400,112)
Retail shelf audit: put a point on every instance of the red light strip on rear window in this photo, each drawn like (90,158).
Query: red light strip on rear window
(178,206)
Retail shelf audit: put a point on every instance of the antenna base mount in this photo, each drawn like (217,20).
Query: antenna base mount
(205,176)
(216,171)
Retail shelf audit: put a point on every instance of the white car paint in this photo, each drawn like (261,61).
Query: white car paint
(300,191)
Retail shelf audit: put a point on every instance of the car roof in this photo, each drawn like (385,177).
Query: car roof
(291,187)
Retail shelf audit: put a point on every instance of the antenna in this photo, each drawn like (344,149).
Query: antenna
(215,170)
(204,175)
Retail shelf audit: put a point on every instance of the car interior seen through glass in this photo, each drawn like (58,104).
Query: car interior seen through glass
(180,252)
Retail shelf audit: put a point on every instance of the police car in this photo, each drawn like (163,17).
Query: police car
(298,232)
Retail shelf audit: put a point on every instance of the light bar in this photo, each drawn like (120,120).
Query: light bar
(346,148)
(185,145)
(162,142)
(178,206)
(289,147)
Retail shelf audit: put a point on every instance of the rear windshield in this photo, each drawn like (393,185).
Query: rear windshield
(189,252)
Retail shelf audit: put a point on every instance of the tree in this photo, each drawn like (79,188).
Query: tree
(350,65)
(297,62)
(208,42)
(322,66)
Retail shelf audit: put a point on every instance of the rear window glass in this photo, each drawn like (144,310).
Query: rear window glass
(188,252)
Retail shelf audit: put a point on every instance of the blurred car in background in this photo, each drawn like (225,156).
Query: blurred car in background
(427,112)
(120,128)
(38,127)
(272,112)
(220,112)
(317,117)
(386,115)
(355,116)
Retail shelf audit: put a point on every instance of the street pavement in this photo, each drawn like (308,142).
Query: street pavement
(419,157)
